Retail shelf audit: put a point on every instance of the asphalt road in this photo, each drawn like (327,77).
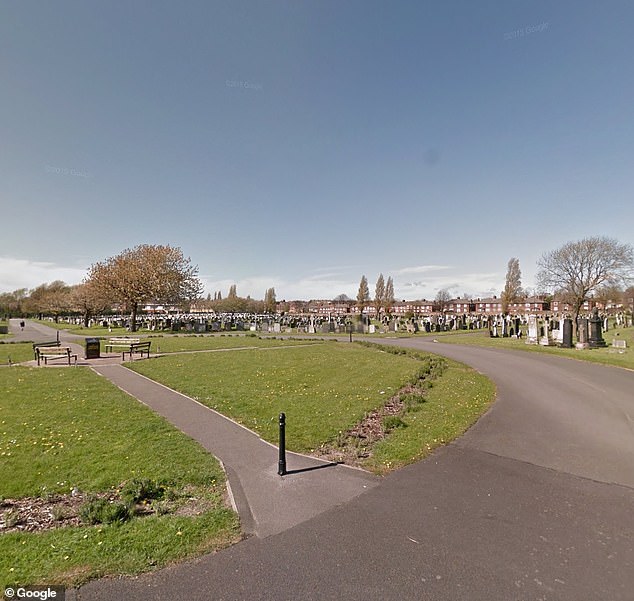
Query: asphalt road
(535,502)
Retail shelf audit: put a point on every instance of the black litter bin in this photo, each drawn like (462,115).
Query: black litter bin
(92,348)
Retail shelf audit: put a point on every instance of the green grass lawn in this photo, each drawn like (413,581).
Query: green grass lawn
(199,342)
(325,389)
(65,428)
(17,351)
(606,356)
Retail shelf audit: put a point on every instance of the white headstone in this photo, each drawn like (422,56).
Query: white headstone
(533,334)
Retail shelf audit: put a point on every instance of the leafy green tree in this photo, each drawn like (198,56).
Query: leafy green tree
(513,288)
(12,303)
(270,302)
(379,294)
(388,300)
(363,295)
(85,299)
(50,299)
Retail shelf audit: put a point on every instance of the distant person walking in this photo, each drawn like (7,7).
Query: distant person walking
(22,325)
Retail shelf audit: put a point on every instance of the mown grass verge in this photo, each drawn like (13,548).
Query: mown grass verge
(454,403)
(327,389)
(604,356)
(16,352)
(182,343)
(69,430)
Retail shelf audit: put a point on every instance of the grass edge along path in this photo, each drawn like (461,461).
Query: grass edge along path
(603,356)
(69,427)
(440,402)
(447,403)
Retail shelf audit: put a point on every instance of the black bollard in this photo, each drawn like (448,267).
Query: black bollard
(282,457)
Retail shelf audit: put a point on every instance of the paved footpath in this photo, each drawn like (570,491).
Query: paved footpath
(535,502)
(266,502)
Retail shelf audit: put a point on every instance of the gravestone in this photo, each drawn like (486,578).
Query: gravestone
(545,340)
(558,334)
(372,328)
(595,340)
(616,343)
(532,330)
(325,328)
(277,328)
(582,335)
(566,333)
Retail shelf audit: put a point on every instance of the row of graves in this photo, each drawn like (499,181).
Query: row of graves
(544,330)
(303,324)
(558,331)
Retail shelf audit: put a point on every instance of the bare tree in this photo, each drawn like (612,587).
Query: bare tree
(579,268)
(628,299)
(513,287)
(442,298)
(146,273)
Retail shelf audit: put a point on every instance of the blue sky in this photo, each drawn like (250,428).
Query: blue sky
(302,144)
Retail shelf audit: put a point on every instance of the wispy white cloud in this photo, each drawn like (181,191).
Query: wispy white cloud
(421,269)
(312,286)
(476,284)
(22,273)
(318,284)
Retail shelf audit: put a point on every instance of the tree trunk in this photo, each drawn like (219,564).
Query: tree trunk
(133,318)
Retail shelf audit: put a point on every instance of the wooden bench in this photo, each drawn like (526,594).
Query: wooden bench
(120,342)
(37,345)
(128,345)
(50,353)
(138,347)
